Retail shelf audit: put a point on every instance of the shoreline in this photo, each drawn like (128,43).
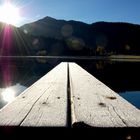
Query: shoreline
(131,58)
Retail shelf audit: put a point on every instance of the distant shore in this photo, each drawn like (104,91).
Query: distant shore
(126,58)
(129,58)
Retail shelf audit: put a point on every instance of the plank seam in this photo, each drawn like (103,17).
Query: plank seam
(69,124)
(73,116)
(32,107)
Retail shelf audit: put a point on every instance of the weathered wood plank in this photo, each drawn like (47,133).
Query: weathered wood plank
(94,104)
(42,104)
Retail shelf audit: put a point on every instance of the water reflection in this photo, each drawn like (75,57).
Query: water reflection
(16,74)
(119,76)
(132,96)
(122,77)
(8,94)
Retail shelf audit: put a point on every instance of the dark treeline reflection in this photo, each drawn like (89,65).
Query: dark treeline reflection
(119,76)
(24,71)
(16,74)
(122,77)
(20,73)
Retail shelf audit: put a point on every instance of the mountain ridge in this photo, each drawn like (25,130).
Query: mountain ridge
(49,36)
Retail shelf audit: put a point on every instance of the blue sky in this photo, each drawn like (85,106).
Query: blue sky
(88,11)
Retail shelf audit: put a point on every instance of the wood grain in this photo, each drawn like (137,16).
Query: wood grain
(94,104)
(42,104)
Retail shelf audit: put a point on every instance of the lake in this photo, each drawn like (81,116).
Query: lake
(17,74)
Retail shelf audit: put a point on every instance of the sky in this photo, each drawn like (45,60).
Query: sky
(87,11)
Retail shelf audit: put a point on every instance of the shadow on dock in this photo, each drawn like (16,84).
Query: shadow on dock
(80,130)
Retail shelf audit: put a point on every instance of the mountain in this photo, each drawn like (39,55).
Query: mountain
(49,36)
(117,38)
(78,38)
(58,29)
(59,37)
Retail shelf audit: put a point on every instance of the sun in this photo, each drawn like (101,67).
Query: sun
(9,14)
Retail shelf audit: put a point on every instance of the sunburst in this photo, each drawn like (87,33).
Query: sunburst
(9,14)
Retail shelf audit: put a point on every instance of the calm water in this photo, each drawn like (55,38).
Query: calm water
(16,74)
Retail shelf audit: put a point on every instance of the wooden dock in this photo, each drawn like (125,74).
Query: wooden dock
(68,96)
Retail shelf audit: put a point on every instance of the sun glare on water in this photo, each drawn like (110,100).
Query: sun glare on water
(8,95)
(9,14)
